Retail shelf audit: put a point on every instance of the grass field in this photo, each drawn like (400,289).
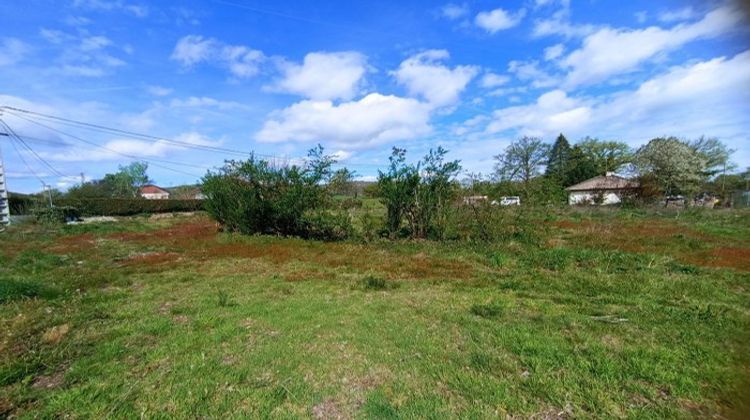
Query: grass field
(602,313)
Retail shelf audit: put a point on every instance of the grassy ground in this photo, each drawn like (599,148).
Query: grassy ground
(608,313)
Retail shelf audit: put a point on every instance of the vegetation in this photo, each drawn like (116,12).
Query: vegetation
(584,312)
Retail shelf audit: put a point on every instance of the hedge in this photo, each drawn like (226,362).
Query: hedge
(129,207)
(22,204)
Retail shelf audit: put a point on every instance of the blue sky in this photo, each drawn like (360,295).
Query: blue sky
(360,77)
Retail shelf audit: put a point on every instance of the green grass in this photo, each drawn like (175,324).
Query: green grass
(126,321)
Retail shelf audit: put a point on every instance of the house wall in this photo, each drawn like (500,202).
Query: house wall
(155,196)
(589,197)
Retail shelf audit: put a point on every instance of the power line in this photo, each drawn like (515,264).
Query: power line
(24,144)
(150,160)
(134,135)
(96,127)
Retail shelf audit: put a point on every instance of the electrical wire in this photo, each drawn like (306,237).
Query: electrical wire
(149,160)
(33,152)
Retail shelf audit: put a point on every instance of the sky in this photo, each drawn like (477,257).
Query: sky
(218,78)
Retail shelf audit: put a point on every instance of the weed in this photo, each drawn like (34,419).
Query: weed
(492,310)
(376,283)
(11,289)
(224,299)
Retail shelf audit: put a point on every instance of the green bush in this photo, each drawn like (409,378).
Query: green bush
(56,214)
(326,226)
(21,204)
(131,206)
(254,196)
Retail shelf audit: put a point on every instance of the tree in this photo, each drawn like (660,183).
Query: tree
(434,193)
(397,189)
(558,163)
(342,182)
(522,160)
(605,156)
(125,183)
(673,164)
(580,167)
(715,153)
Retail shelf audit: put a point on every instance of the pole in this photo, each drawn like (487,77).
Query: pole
(4,202)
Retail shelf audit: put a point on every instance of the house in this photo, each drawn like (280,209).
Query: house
(152,192)
(602,190)
(473,200)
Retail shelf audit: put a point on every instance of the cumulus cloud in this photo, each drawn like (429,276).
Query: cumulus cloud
(499,19)
(609,51)
(12,50)
(530,72)
(677,15)
(491,80)
(241,61)
(425,75)
(686,101)
(321,76)
(553,52)
(372,120)
(454,11)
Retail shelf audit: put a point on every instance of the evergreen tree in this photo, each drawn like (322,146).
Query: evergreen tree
(558,164)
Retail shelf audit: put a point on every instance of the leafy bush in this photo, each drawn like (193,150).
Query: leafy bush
(21,204)
(326,226)
(485,222)
(56,214)
(130,206)
(254,196)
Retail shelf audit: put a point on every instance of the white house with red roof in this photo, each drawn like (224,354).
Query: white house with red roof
(152,192)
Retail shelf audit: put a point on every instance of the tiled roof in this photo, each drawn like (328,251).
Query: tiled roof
(612,182)
(153,189)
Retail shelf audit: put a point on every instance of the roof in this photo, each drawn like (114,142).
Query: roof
(153,189)
(610,182)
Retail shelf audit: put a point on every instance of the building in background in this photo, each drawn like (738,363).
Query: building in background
(152,192)
(601,190)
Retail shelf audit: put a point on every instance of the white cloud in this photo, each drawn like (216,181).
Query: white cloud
(687,101)
(498,19)
(423,74)
(12,50)
(553,111)
(82,54)
(491,80)
(454,11)
(372,120)
(322,75)
(529,71)
(686,13)
(240,60)
(553,52)
(559,24)
(159,90)
(204,101)
(136,10)
(115,149)
(608,51)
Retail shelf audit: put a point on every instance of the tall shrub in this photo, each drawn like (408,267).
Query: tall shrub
(254,196)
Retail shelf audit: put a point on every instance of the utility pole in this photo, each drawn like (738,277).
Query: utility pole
(4,203)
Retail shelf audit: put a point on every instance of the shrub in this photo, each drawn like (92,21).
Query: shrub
(56,214)
(326,226)
(130,206)
(255,197)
